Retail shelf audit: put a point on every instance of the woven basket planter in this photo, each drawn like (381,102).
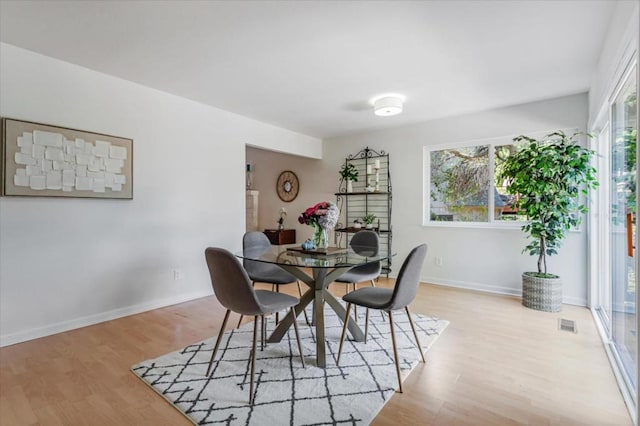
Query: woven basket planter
(543,294)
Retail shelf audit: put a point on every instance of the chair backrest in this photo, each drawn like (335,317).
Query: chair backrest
(408,279)
(366,242)
(254,244)
(230,282)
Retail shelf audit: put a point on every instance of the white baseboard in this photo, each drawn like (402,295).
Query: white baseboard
(473,286)
(486,288)
(34,333)
(577,301)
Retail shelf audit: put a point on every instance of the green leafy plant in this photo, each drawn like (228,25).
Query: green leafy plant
(629,178)
(547,177)
(369,218)
(349,172)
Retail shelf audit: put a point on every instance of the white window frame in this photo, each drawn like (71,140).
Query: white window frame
(492,142)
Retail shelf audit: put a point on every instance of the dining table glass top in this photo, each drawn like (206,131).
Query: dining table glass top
(333,257)
(325,266)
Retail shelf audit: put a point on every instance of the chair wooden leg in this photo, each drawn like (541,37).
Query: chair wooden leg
(344,332)
(304,311)
(253,357)
(414,333)
(215,348)
(295,327)
(277,314)
(240,321)
(262,332)
(373,284)
(366,325)
(395,351)
(355,308)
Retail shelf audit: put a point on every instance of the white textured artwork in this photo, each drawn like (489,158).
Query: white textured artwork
(51,161)
(46,160)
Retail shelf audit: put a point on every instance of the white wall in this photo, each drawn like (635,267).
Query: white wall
(66,263)
(483,259)
(620,47)
(317,183)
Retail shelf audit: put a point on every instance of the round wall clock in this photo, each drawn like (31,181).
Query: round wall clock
(287,186)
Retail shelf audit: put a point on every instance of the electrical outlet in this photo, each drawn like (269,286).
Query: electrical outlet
(177,274)
(438,260)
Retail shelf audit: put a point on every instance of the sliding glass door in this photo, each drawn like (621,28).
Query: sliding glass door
(600,231)
(623,227)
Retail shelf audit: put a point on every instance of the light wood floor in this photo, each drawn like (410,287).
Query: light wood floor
(497,363)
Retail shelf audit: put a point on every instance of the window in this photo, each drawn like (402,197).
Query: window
(461,183)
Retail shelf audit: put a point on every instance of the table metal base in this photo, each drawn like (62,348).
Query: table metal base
(319,294)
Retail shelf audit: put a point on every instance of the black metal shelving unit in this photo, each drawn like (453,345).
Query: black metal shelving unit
(371,194)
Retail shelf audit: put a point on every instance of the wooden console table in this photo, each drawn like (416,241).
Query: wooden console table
(281,236)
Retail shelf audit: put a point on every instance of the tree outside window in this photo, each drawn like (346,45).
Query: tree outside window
(463,184)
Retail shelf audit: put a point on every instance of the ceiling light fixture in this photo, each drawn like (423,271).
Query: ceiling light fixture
(388,105)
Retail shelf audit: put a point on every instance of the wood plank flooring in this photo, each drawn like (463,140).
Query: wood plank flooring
(497,363)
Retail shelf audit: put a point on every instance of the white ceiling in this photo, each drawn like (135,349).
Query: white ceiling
(313,66)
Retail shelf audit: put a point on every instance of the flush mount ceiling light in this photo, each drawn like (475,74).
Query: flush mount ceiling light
(388,105)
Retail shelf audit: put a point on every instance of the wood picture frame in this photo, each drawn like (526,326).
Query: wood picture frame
(45,160)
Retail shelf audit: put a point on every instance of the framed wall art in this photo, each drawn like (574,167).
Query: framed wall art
(51,161)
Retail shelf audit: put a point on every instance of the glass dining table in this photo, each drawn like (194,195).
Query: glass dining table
(325,268)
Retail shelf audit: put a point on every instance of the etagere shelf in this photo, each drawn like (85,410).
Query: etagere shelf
(371,194)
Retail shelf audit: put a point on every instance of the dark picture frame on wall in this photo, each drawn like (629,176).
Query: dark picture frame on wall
(45,160)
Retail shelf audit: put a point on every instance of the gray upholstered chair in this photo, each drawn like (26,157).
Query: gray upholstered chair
(256,243)
(367,241)
(234,290)
(389,300)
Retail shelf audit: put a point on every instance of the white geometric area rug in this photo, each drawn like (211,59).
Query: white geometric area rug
(286,393)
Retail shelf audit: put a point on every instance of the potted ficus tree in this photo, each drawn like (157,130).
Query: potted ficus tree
(349,173)
(548,178)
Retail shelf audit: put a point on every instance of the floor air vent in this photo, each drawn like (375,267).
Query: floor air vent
(567,325)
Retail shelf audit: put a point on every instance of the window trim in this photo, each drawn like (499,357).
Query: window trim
(492,223)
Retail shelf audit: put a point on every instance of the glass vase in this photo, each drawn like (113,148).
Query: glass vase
(320,237)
